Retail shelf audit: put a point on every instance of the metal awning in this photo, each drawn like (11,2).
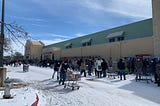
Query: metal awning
(68,44)
(86,40)
(115,34)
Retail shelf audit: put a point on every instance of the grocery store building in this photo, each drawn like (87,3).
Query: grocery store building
(141,37)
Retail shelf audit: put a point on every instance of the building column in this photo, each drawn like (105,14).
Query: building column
(156,26)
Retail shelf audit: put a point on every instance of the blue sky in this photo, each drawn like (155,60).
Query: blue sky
(57,20)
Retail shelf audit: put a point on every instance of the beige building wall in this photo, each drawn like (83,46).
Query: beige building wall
(156,26)
(115,50)
(71,52)
(33,50)
(137,46)
(36,51)
(97,50)
(57,54)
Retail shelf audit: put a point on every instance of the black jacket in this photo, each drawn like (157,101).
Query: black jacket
(64,67)
(121,65)
(104,65)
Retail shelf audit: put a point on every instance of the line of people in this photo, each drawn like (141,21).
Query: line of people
(99,67)
(90,67)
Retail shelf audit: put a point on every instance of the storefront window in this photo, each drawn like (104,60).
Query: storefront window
(112,40)
(120,38)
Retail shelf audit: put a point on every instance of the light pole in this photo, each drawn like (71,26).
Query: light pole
(2,34)
(2,69)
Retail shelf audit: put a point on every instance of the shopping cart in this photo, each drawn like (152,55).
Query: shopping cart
(72,79)
(145,75)
(113,71)
(25,67)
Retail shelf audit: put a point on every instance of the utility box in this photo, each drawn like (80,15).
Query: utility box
(2,76)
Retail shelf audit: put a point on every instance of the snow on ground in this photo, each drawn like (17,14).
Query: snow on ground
(92,92)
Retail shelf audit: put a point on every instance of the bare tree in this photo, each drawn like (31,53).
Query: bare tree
(7,44)
(17,56)
(13,34)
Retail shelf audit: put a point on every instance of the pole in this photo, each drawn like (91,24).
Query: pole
(81,51)
(2,35)
(120,44)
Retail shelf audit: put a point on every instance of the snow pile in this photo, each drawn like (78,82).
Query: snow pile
(92,92)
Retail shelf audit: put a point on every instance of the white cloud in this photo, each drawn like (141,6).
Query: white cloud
(80,34)
(93,5)
(40,25)
(133,8)
(48,42)
(60,36)
(55,37)
(28,19)
(129,8)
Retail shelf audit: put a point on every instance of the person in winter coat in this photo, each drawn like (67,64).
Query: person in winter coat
(153,69)
(138,67)
(56,69)
(98,67)
(145,65)
(63,70)
(104,66)
(121,67)
(83,68)
(158,72)
(89,66)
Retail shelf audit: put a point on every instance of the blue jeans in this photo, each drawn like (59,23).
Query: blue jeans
(62,78)
(122,73)
(104,73)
